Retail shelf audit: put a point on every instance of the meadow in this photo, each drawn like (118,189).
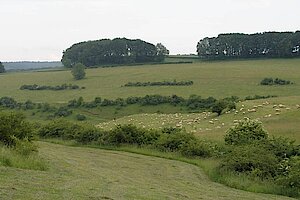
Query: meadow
(69,169)
(217,79)
(85,173)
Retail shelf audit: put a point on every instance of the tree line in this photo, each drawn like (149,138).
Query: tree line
(159,83)
(116,51)
(239,45)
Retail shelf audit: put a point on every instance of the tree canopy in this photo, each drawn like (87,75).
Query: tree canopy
(2,69)
(238,45)
(116,51)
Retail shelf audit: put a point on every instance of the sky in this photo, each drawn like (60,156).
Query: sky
(40,30)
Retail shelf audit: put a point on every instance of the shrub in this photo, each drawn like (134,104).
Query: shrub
(8,102)
(174,140)
(59,129)
(80,117)
(251,159)
(13,127)
(282,147)
(197,148)
(245,132)
(291,177)
(130,134)
(62,112)
(89,134)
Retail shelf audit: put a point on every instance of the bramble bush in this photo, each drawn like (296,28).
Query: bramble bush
(245,132)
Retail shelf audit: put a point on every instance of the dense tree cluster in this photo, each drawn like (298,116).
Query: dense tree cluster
(47,87)
(116,51)
(159,83)
(237,45)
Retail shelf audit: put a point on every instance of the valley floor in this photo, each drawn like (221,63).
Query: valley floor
(85,173)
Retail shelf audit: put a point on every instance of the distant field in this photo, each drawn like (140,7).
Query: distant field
(217,79)
(30,65)
(84,173)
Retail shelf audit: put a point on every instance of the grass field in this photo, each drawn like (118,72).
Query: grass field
(84,173)
(217,79)
(209,126)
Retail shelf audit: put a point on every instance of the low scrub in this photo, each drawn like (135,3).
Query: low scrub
(252,153)
(47,87)
(276,81)
(159,83)
(16,146)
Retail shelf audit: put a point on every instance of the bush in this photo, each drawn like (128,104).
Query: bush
(197,148)
(245,132)
(291,177)
(130,134)
(62,112)
(175,140)
(80,117)
(251,159)
(89,134)
(59,129)
(13,127)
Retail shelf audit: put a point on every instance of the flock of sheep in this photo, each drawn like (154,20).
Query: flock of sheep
(205,121)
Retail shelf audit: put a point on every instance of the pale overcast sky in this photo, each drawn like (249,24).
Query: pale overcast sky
(42,29)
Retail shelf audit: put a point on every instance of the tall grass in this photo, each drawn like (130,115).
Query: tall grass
(10,157)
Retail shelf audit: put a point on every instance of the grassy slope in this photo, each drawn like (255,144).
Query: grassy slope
(84,173)
(218,79)
(286,124)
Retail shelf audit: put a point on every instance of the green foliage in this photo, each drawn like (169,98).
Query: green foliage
(245,132)
(81,117)
(2,69)
(198,148)
(89,134)
(130,134)
(276,81)
(161,83)
(107,52)
(219,106)
(291,176)
(237,45)
(13,127)
(59,129)
(251,159)
(62,112)
(78,71)
(259,97)
(54,88)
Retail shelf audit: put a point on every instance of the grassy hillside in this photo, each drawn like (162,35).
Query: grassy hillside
(210,126)
(83,173)
(217,79)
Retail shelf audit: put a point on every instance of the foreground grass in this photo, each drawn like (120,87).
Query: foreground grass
(86,173)
(11,158)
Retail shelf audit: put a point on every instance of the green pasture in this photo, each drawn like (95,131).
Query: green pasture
(84,173)
(217,79)
(277,121)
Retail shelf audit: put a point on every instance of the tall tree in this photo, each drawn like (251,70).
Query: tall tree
(78,71)
(2,69)
(162,50)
